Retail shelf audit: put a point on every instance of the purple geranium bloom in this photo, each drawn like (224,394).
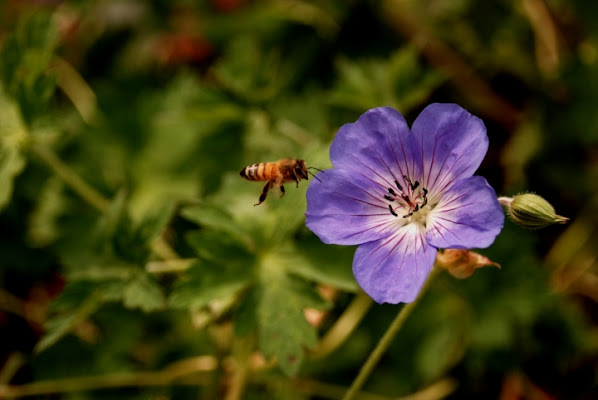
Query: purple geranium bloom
(401,194)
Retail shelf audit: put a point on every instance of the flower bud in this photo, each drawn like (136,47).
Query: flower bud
(533,212)
(462,263)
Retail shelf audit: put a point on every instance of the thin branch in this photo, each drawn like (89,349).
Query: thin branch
(169,266)
(546,35)
(76,89)
(242,351)
(70,177)
(161,247)
(198,365)
(435,391)
(12,365)
(344,325)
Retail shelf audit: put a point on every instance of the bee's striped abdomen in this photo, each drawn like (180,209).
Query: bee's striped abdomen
(249,172)
(258,172)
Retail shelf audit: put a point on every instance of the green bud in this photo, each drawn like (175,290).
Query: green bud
(532,211)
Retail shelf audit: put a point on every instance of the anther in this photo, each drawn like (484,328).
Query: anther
(425,197)
(389,198)
(398,185)
(412,185)
(392,192)
(392,211)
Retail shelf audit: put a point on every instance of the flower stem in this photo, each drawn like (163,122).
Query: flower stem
(385,341)
(82,188)
(344,325)
(242,349)
(198,368)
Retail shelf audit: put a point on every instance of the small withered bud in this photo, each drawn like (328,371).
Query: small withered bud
(531,211)
(462,263)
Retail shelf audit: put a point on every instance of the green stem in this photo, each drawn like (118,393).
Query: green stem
(385,341)
(64,172)
(13,363)
(344,325)
(242,350)
(200,367)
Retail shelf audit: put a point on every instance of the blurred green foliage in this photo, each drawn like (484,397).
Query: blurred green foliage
(132,254)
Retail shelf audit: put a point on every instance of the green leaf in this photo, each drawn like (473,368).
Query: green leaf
(84,297)
(144,293)
(245,315)
(248,70)
(269,224)
(119,239)
(191,136)
(73,294)
(284,333)
(399,82)
(114,218)
(58,327)
(43,223)
(219,247)
(12,134)
(327,264)
(215,218)
(206,282)
(24,63)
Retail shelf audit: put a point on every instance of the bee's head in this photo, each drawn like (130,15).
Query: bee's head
(301,169)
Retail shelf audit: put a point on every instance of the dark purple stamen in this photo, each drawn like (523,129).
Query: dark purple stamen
(413,205)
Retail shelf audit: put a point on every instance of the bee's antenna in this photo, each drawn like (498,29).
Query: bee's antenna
(312,174)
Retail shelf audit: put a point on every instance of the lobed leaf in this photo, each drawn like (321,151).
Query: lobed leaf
(206,282)
(25,60)
(12,134)
(283,331)
(144,293)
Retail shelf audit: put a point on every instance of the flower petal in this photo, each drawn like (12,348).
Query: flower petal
(453,144)
(378,145)
(393,269)
(345,208)
(467,216)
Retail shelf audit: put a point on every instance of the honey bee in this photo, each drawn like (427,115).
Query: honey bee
(277,173)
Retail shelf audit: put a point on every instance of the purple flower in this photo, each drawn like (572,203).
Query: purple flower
(401,194)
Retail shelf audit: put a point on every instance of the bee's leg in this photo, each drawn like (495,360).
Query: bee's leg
(281,190)
(264,193)
(296,180)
